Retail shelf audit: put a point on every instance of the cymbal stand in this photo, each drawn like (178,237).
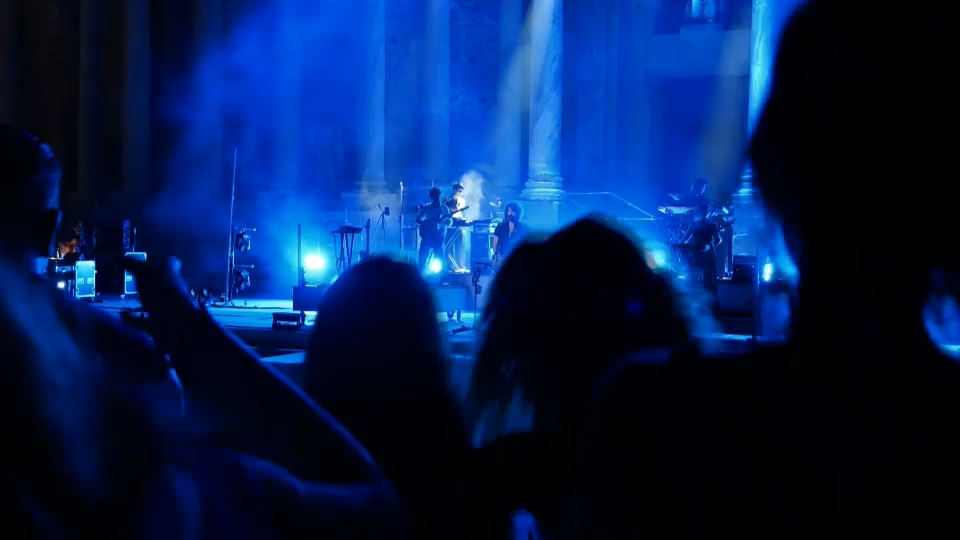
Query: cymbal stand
(228,287)
(477,289)
(400,219)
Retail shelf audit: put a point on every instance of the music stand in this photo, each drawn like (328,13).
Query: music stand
(346,235)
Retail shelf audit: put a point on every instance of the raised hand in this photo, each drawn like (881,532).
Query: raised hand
(164,297)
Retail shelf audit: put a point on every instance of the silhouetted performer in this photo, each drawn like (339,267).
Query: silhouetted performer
(433,219)
(703,239)
(454,238)
(696,196)
(508,233)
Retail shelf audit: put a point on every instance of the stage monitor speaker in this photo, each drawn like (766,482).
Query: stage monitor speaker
(116,235)
(307,298)
(130,284)
(85,285)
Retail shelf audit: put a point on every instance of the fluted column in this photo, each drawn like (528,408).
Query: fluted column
(437,77)
(544,183)
(373,176)
(90,106)
(10,23)
(287,96)
(136,99)
(508,131)
(769,18)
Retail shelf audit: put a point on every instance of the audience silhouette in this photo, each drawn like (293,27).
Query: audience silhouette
(846,428)
(376,361)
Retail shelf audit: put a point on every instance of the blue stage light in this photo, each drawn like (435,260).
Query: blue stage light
(314,263)
(435,266)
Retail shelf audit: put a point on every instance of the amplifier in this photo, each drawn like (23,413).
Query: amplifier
(116,235)
(307,298)
(130,284)
(85,285)
(481,245)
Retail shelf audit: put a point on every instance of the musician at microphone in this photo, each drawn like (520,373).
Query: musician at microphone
(433,219)
(508,233)
(456,201)
(454,238)
(703,239)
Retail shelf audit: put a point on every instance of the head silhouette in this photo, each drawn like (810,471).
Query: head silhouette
(817,134)
(558,318)
(513,211)
(380,316)
(29,211)
(376,361)
(435,194)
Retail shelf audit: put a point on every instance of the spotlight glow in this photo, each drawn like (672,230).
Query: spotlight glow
(61,284)
(767,274)
(314,263)
(435,266)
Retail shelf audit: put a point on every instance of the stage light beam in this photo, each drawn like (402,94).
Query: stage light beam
(435,266)
(314,263)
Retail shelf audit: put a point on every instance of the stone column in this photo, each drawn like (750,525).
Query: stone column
(437,78)
(136,100)
(508,129)
(769,18)
(10,52)
(543,188)
(287,105)
(90,106)
(373,108)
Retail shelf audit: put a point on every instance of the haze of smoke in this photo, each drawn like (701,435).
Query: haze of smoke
(227,100)
(472,182)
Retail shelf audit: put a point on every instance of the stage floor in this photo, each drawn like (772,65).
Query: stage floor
(252,322)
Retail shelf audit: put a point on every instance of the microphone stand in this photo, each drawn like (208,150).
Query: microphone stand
(400,219)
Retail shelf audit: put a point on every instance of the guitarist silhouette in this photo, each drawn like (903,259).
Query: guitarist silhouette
(703,239)
(433,219)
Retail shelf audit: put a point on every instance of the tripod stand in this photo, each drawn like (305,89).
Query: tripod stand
(381,223)
(477,289)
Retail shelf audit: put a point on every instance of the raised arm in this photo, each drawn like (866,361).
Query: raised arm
(274,418)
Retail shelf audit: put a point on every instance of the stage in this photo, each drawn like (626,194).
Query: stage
(252,322)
